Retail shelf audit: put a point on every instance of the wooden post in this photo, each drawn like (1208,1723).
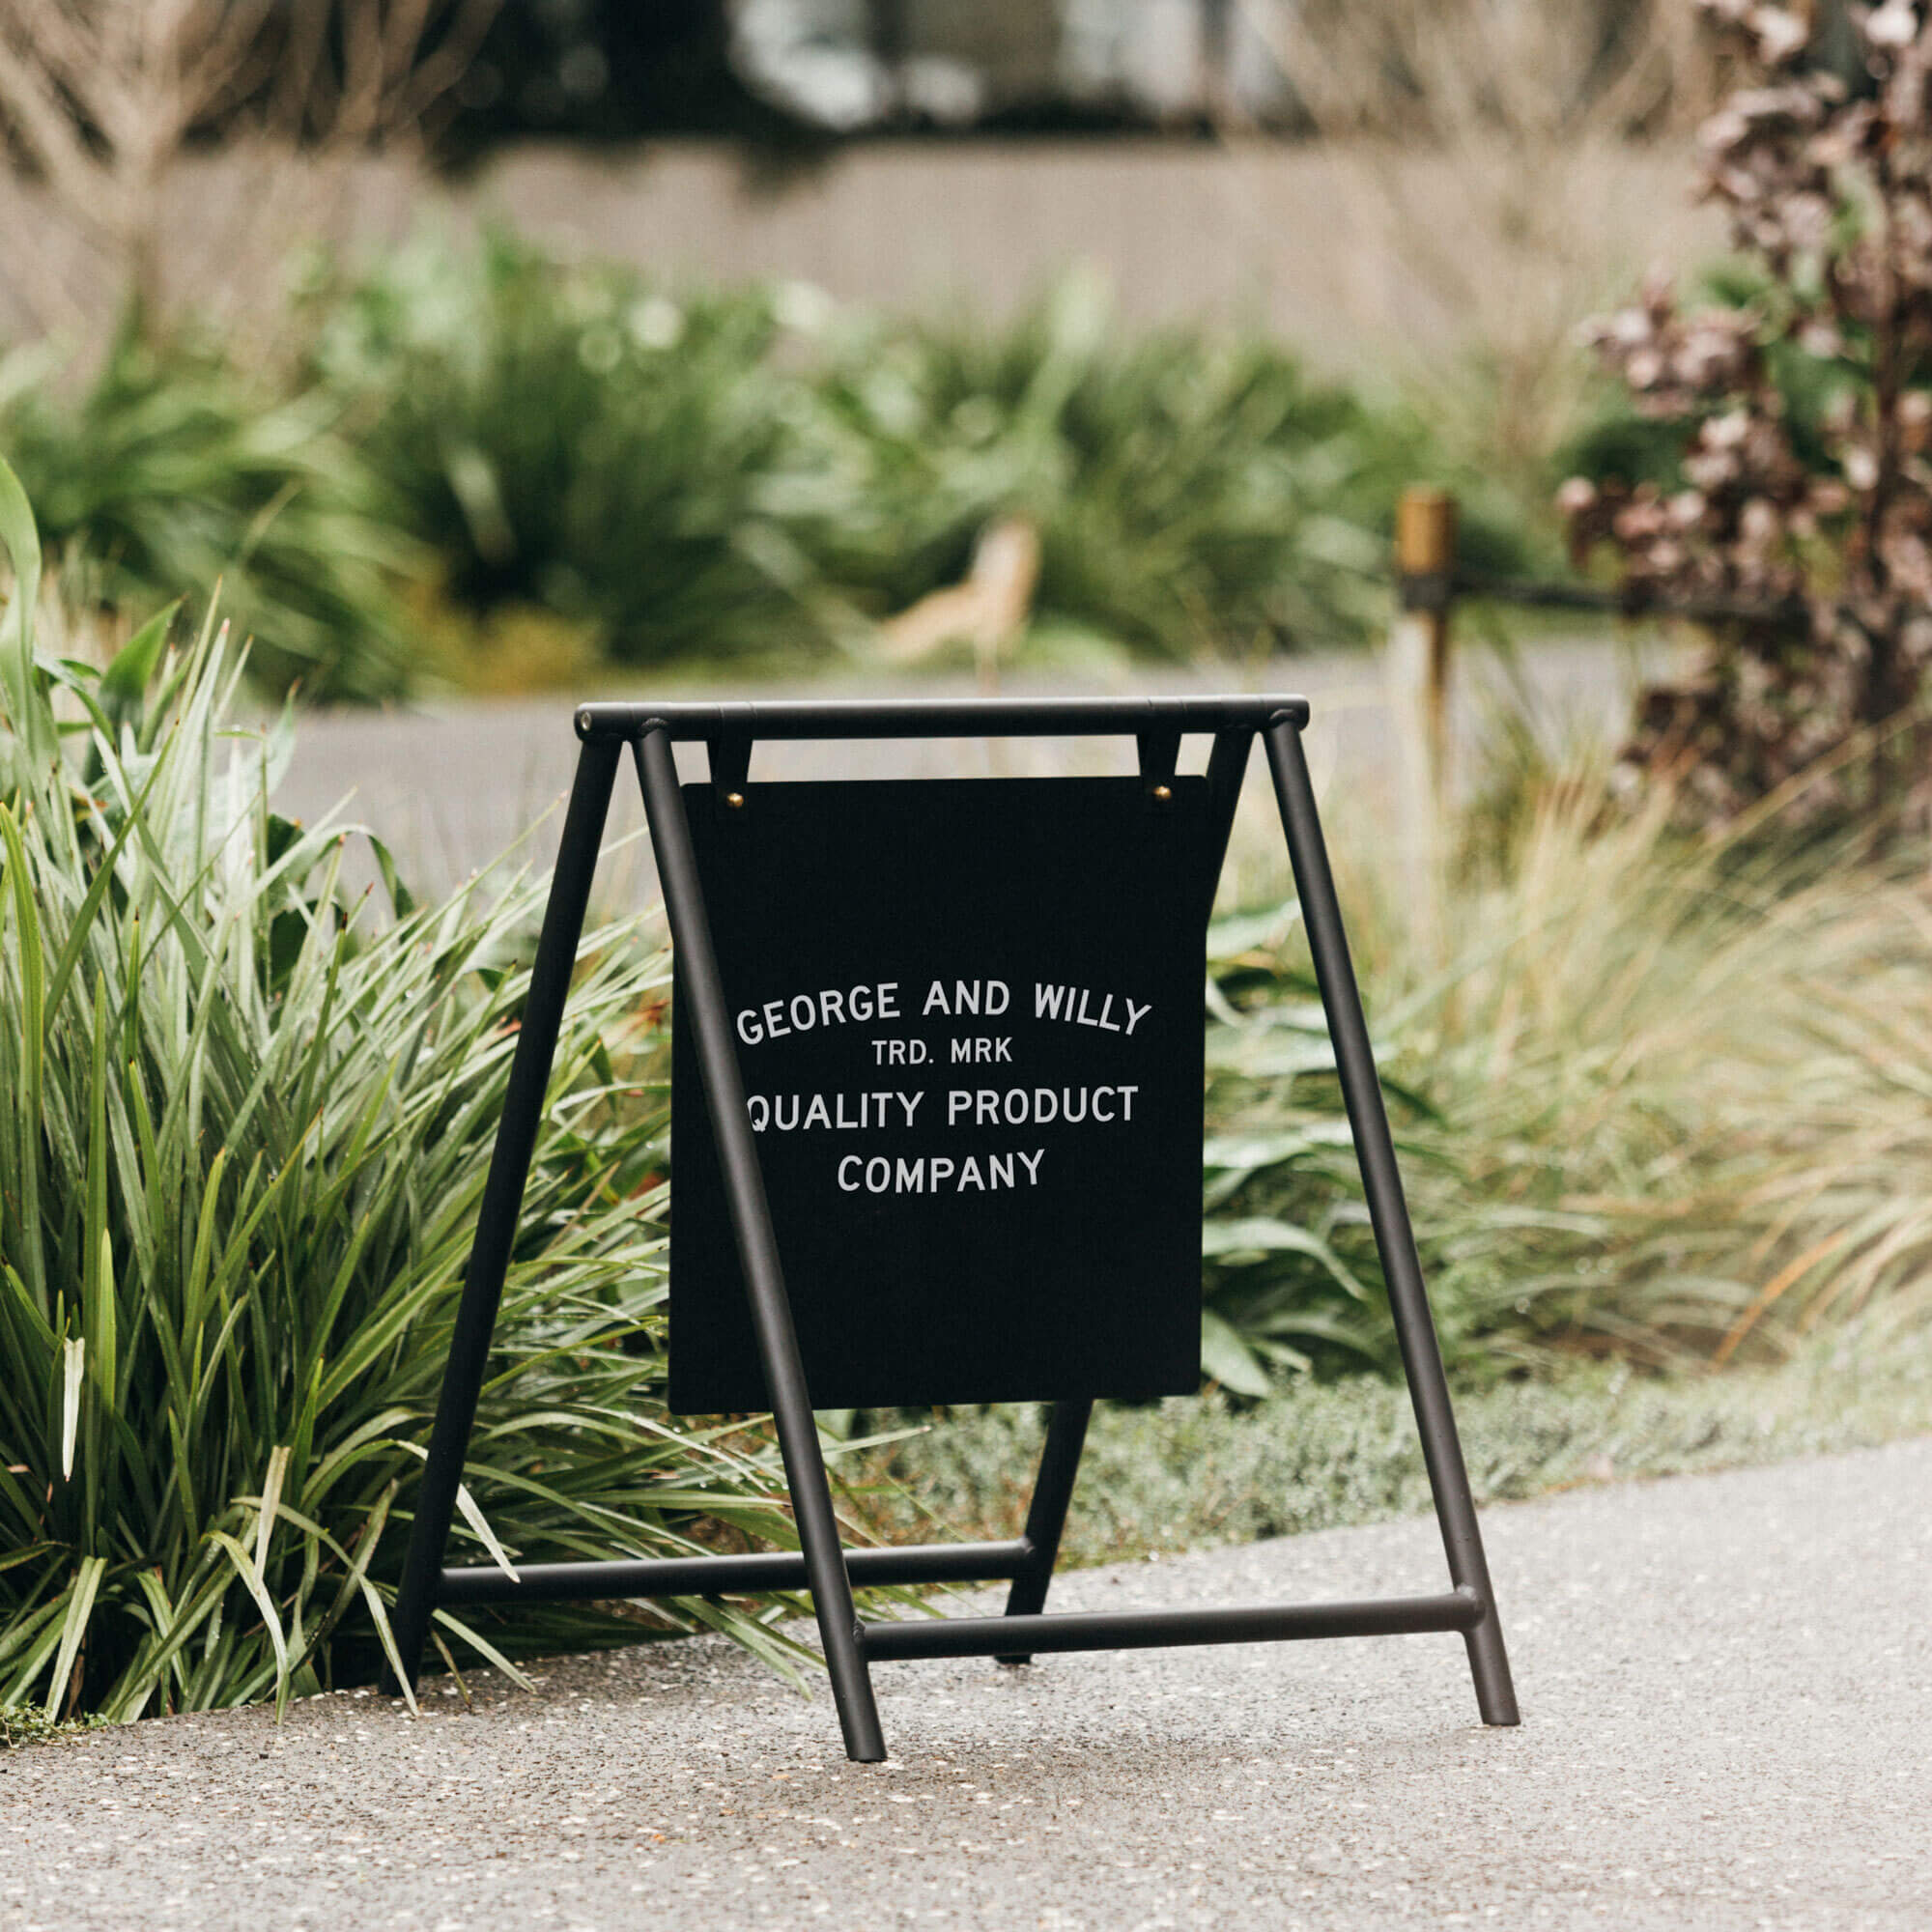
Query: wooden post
(1418,678)
(1425,566)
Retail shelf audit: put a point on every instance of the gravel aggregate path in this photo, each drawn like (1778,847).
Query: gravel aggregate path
(1726,1685)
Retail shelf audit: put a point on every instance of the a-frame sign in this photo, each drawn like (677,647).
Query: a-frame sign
(936,1137)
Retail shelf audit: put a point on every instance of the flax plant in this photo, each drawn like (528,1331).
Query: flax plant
(245,1129)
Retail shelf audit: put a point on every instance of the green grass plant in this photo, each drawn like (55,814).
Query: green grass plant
(249,1115)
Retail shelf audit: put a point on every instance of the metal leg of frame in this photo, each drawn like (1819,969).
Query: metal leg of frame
(1388,1213)
(504,1196)
(830,1583)
(1046,1514)
(1227,767)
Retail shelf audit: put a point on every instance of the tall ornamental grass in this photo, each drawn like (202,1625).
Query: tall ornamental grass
(1655,1098)
(246,1126)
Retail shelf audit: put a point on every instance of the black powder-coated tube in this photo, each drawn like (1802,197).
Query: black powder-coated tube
(757,1247)
(502,1196)
(1046,1514)
(965,718)
(1388,1214)
(729,1576)
(1150,1630)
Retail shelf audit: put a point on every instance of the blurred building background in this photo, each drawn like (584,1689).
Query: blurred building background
(763,68)
(1369,180)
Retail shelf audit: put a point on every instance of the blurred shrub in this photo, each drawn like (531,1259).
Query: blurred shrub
(171,472)
(1193,492)
(1799,492)
(574,455)
(746,473)
(571,437)
(1625,443)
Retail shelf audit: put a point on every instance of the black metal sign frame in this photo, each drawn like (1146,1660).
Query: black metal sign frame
(821,1565)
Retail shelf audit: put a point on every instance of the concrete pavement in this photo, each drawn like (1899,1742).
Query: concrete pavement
(1726,1685)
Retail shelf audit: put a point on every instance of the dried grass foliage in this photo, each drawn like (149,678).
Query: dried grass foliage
(1655,1098)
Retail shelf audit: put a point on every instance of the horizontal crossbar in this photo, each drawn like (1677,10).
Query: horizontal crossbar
(1150,1630)
(955,717)
(729,1576)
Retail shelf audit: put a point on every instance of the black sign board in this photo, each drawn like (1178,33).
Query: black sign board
(936,1137)
(968,1015)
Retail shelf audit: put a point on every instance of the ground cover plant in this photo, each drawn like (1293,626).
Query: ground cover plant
(1196,1472)
(250,1125)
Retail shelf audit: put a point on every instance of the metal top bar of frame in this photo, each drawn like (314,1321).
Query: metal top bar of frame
(944,718)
